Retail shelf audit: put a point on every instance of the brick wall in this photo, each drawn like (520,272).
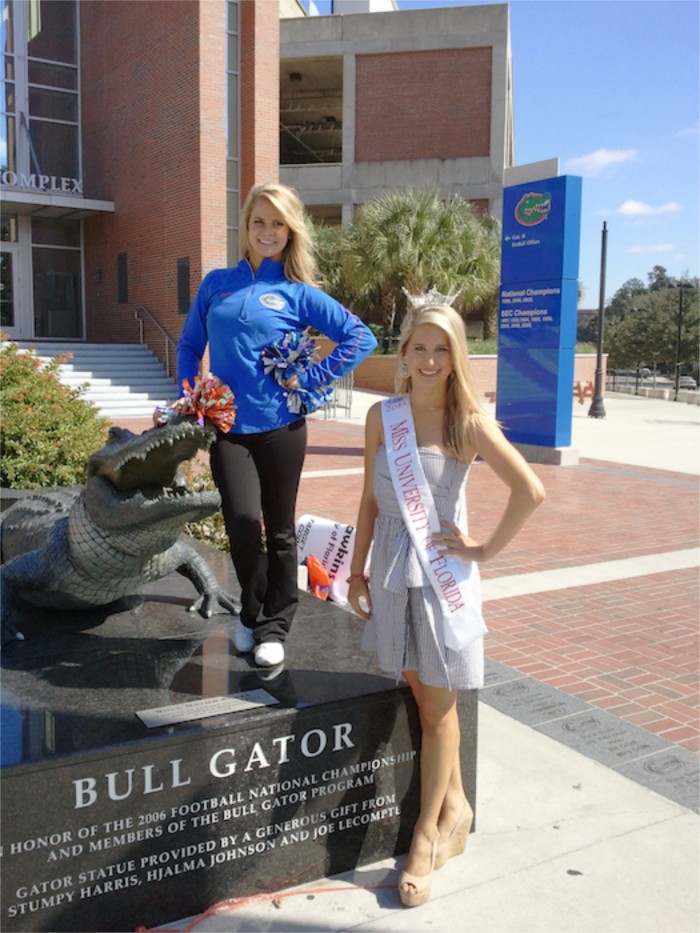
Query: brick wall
(154,142)
(396,119)
(140,102)
(376,373)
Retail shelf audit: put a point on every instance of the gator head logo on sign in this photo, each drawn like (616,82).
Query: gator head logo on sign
(533,208)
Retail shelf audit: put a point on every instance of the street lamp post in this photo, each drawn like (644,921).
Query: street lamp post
(597,409)
(679,334)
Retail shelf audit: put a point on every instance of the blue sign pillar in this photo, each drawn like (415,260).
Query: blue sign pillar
(537,310)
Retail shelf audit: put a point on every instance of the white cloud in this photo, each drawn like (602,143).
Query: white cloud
(693,130)
(640,209)
(656,248)
(596,162)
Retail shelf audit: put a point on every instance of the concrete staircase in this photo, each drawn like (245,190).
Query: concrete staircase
(124,380)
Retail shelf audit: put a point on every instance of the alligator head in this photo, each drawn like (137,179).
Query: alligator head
(153,458)
(146,469)
(134,481)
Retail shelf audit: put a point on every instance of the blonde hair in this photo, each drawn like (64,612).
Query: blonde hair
(463,411)
(298,257)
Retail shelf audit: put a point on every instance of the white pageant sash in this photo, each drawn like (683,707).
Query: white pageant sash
(456,582)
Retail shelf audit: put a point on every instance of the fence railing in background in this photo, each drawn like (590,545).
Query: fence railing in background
(144,316)
(341,397)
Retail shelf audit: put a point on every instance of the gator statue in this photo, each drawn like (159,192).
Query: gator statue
(77,548)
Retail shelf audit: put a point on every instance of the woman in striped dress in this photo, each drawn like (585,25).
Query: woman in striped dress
(408,622)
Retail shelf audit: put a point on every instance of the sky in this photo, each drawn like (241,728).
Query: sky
(612,89)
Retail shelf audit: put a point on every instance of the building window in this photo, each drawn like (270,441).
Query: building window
(8,228)
(40,154)
(51,30)
(55,149)
(122,279)
(48,231)
(311,111)
(8,270)
(40,121)
(47,103)
(52,88)
(8,142)
(56,278)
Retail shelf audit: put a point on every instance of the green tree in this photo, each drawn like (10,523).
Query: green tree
(329,245)
(644,331)
(633,339)
(670,308)
(414,240)
(625,297)
(659,279)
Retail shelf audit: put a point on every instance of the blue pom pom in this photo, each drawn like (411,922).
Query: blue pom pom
(289,356)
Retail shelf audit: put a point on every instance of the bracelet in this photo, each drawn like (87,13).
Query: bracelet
(357,576)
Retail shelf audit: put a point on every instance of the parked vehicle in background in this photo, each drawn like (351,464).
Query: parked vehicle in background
(687,382)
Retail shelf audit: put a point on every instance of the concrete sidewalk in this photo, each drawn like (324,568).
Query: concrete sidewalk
(576,832)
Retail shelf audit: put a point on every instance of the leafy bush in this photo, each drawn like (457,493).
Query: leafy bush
(47,432)
(482,347)
(210,529)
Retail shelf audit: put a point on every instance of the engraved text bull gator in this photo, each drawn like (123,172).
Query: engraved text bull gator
(75,548)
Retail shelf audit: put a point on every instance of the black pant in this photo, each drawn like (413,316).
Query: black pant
(258,475)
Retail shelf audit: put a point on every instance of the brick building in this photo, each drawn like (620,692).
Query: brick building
(410,98)
(133,130)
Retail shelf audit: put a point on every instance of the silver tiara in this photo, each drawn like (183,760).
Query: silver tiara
(429,298)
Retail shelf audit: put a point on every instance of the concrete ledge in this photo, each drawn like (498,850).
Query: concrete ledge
(687,396)
(552,456)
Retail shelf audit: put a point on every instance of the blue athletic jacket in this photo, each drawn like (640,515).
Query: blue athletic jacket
(239,312)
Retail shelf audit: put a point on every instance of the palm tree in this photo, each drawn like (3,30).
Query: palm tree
(414,240)
(329,246)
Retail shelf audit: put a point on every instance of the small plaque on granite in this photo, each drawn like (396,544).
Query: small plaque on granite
(673,773)
(604,737)
(203,709)
(531,702)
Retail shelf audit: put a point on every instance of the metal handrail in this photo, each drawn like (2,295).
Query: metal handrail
(169,342)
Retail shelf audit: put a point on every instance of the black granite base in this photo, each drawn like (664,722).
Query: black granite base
(108,824)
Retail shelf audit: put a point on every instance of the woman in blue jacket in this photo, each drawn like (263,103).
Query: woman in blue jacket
(239,313)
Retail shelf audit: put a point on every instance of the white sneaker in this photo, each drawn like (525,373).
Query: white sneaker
(243,638)
(269,653)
